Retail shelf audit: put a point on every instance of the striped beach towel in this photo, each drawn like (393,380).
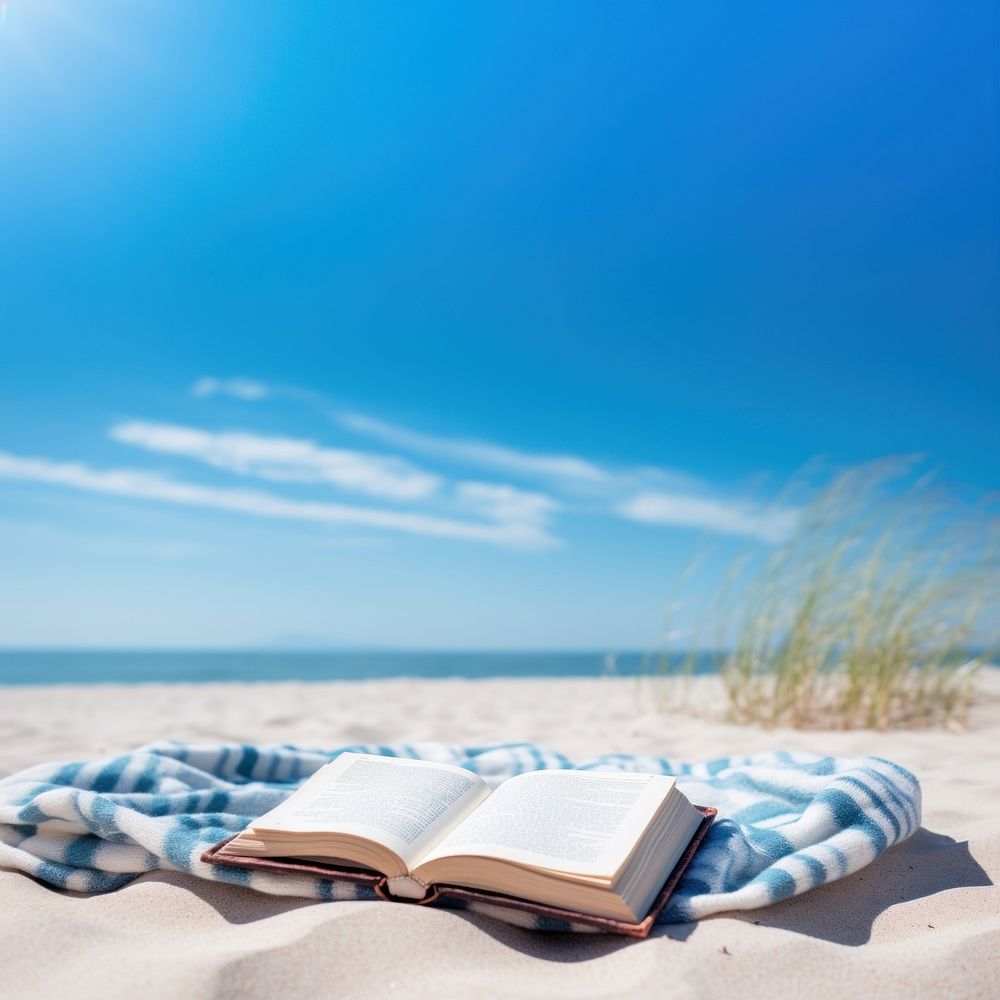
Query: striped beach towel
(788,822)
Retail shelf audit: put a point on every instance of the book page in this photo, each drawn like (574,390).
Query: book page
(582,822)
(404,804)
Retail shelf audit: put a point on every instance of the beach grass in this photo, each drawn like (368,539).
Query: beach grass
(870,613)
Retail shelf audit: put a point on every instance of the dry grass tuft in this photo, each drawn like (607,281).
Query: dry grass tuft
(868,615)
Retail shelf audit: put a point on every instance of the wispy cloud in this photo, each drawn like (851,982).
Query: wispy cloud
(238,388)
(501,502)
(150,486)
(644,495)
(724,517)
(482,454)
(283,459)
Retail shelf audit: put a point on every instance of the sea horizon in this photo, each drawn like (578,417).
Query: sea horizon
(137,666)
(30,666)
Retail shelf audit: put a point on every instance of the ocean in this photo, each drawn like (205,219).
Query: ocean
(124,667)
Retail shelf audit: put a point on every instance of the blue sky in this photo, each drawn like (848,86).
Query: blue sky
(465,325)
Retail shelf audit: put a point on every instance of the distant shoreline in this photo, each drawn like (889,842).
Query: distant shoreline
(88,667)
(19,667)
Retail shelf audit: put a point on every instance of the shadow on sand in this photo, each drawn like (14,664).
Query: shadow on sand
(842,912)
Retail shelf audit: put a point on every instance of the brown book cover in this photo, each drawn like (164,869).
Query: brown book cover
(378,883)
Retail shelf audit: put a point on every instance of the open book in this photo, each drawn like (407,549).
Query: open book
(595,843)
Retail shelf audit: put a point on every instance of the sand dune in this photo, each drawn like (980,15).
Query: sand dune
(923,921)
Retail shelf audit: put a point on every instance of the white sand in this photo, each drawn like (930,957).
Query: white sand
(923,921)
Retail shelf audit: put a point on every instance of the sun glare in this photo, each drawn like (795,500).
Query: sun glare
(47,44)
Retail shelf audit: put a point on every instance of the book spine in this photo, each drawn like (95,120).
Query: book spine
(405,890)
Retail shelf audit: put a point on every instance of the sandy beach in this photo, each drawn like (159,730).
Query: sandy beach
(922,921)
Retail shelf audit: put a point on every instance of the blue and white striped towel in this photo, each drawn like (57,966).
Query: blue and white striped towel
(787,822)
